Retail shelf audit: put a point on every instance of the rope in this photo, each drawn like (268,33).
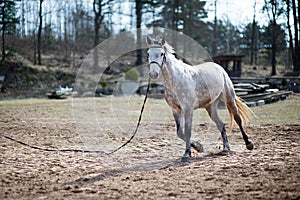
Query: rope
(81,150)
(49,150)
(139,121)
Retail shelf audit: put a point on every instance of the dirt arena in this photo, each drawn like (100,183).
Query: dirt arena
(149,167)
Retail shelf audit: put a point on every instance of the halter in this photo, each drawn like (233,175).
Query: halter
(164,58)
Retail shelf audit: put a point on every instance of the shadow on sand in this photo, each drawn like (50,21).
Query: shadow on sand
(149,166)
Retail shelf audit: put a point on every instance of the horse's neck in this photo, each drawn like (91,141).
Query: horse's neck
(172,70)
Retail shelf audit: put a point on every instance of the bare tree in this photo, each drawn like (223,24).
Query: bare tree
(67,29)
(214,42)
(98,8)
(23,34)
(138,12)
(39,34)
(253,48)
(296,58)
(291,45)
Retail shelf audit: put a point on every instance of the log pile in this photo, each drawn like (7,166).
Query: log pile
(255,94)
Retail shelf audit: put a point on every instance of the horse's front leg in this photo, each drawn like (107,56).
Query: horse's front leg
(178,116)
(188,119)
(179,119)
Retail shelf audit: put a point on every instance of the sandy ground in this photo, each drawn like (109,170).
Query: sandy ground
(149,167)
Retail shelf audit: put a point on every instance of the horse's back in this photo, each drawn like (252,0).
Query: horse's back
(211,68)
(210,82)
(212,73)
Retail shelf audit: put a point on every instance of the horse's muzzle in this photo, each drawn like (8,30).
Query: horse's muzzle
(153,75)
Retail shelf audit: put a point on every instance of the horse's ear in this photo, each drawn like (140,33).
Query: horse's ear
(149,41)
(163,41)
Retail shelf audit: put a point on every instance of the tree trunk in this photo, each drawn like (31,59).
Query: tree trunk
(34,47)
(253,49)
(214,41)
(66,31)
(138,12)
(297,68)
(3,34)
(296,39)
(274,35)
(252,41)
(274,47)
(175,19)
(295,21)
(3,44)
(291,45)
(96,36)
(97,7)
(23,18)
(39,36)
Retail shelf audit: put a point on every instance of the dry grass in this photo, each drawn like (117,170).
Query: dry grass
(116,117)
(128,109)
(282,112)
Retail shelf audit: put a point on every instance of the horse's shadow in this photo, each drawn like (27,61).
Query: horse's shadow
(150,166)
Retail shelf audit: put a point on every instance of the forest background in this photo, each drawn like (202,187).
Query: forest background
(59,34)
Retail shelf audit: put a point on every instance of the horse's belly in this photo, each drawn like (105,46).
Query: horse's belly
(202,102)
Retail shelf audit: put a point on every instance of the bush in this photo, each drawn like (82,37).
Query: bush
(132,74)
(103,82)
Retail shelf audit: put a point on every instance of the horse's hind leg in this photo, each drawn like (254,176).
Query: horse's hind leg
(212,111)
(238,120)
(179,122)
(234,110)
(249,143)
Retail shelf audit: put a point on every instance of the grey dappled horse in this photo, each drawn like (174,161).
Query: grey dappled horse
(190,87)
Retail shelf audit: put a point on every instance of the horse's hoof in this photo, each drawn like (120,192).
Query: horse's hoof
(185,159)
(197,146)
(250,146)
(226,150)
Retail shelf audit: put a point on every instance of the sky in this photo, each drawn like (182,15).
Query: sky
(239,12)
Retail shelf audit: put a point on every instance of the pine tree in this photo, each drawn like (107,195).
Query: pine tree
(186,17)
(274,9)
(269,42)
(8,21)
(296,19)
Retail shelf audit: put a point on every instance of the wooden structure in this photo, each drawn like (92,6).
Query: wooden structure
(231,63)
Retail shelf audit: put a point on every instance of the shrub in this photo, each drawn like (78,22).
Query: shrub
(132,74)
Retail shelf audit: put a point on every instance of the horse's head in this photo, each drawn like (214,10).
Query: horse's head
(156,56)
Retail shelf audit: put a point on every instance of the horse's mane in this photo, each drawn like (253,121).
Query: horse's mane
(171,50)
(168,48)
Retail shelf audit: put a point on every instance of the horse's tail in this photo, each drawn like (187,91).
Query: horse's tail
(243,110)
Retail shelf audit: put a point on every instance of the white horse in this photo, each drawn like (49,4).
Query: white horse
(190,87)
